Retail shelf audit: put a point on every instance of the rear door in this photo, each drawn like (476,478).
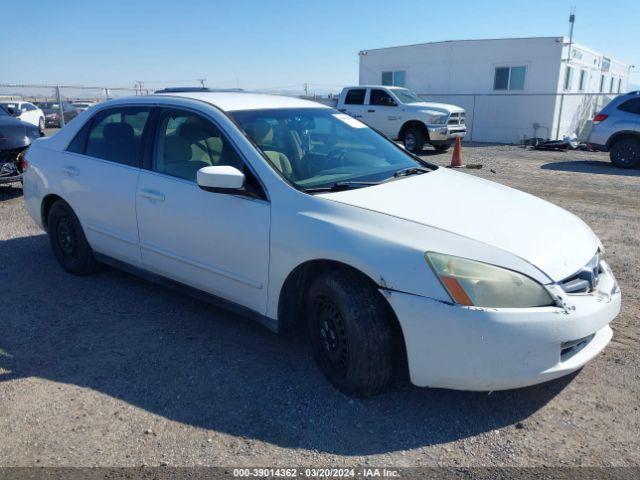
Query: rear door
(354,102)
(100,172)
(382,112)
(215,242)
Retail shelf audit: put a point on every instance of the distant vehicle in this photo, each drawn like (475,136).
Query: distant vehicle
(15,137)
(616,129)
(289,211)
(52,113)
(81,106)
(402,115)
(25,111)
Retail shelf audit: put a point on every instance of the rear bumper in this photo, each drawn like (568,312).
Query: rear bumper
(468,348)
(446,133)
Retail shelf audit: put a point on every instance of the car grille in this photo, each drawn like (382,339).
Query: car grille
(457,118)
(586,280)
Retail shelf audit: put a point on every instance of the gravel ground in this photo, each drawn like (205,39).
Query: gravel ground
(111,370)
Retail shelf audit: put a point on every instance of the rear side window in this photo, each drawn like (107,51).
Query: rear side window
(631,106)
(116,135)
(355,96)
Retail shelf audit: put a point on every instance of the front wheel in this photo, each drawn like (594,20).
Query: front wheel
(350,326)
(413,140)
(625,153)
(41,125)
(68,242)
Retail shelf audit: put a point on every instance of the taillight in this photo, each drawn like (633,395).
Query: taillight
(599,118)
(24,164)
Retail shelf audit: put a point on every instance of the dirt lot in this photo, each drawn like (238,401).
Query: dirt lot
(112,370)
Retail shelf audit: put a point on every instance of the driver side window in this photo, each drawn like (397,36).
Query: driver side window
(380,97)
(186,142)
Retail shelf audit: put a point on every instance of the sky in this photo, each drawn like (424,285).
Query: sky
(271,44)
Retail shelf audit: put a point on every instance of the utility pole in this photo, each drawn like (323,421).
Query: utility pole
(306,89)
(60,108)
(202,80)
(572,21)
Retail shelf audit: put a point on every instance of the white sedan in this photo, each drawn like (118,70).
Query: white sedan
(289,211)
(27,112)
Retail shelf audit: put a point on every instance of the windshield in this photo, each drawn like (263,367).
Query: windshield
(3,112)
(321,147)
(407,96)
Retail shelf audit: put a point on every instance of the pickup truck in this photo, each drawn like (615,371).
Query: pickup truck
(401,115)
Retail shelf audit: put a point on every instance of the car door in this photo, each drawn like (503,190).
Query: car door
(215,242)
(354,102)
(99,177)
(382,112)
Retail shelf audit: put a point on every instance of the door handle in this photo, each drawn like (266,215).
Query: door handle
(71,171)
(370,111)
(152,195)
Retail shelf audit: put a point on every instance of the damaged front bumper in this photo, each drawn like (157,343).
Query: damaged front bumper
(471,348)
(11,165)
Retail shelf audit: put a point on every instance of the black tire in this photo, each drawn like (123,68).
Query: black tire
(68,242)
(625,153)
(41,124)
(413,140)
(350,326)
(442,147)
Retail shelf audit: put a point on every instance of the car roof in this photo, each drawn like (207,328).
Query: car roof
(232,101)
(390,87)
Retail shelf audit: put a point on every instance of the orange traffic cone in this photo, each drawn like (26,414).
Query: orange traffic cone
(456,158)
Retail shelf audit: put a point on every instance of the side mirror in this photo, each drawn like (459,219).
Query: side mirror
(220,179)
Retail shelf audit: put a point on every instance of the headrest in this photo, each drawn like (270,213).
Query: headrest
(118,132)
(260,131)
(176,149)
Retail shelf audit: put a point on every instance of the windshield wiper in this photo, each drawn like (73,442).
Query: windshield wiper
(339,186)
(410,171)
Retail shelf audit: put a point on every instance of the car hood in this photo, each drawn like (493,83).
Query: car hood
(15,133)
(555,241)
(436,107)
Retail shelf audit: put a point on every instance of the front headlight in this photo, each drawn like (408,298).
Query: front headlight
(482,285)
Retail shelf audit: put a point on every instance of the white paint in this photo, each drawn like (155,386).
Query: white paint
(450,71)
(243,249)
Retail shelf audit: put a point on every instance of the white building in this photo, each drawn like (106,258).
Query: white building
(511,88)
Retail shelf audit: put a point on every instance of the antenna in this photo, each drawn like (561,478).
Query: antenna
(572,21)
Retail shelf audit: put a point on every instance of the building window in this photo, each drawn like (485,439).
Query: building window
(611,85)
(602,83)
(568,78)
(583,78)
(509,78)
(619,85)
(396,78)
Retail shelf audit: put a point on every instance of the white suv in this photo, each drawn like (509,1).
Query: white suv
(289,211)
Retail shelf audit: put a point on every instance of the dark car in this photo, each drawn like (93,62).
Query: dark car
(15,138)
(52,113)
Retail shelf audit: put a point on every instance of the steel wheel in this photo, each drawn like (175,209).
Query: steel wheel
(331,329)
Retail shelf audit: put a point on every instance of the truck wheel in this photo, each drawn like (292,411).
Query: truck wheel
(413,140)
(625,153)
(351,333)
(68,242)
(442,147)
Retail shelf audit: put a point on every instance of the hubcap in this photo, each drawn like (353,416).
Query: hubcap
(410,141)
(333,337)
(67,238)
(627,155)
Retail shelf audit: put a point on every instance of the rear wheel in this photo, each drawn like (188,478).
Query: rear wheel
(350,326)
(413,140)
(625,153)
(68,242)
